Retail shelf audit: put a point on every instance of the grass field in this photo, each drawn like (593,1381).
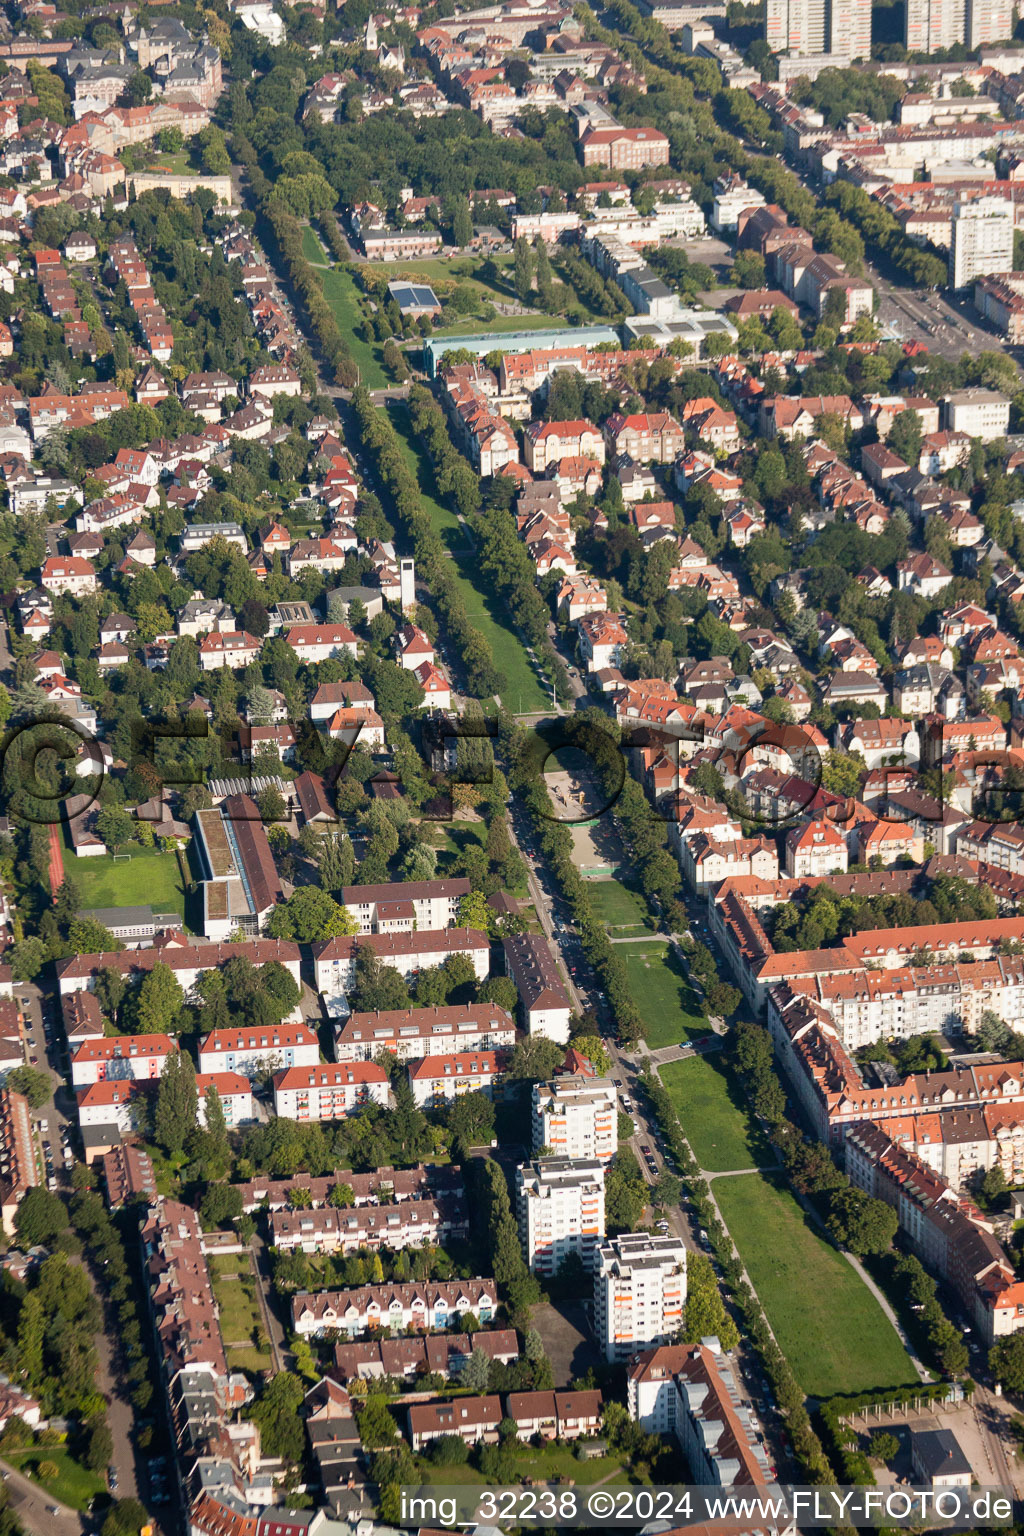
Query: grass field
(149,878)
(524,692)
(342,295)
(622,911)
(235,1290)
(829,1326)
(442,517)
(662,993)
(713,1113)
(501,323)
(313,250)
(74,1485)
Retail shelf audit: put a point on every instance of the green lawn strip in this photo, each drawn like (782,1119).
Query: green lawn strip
(721,1130)
(249,1359)
(667,1002)
(502,323)
(524,693)
(827,1323)
(74,1484)
(622,911)
(342,295)
(312,249)
(443,518)
(149,878)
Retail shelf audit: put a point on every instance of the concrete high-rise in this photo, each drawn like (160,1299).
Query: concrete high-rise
(932,24)
(639,1292)
(803,28)
(981,239)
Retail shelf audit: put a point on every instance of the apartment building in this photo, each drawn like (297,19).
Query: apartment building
(412,1224)
(405,906)
(138,1057)
(693,1392)
(334,960)
(947,1231)
(438,1080)
(412,1033)
(187,961)
(980,413)
(19,1165)
(545,1004)
(546,442)
(648,437)
(576,1116)
(560,1206)
(624,149)
(249,1051)
(397,1306)
(981,238)
(639,1292)
(328,1091)
(933,24)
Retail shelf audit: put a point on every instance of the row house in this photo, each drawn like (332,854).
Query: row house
(412,1224)
(436,1305)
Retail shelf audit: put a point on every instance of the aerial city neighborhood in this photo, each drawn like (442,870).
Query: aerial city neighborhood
(512,706)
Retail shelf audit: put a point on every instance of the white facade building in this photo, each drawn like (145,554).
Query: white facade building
(981,240)
(639,1292)
(560,1205)
(576,1117)
(329,1091)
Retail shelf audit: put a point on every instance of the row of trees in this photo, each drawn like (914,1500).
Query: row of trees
(383,446)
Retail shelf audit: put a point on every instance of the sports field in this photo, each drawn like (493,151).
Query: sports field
(829,1326)
(660,990)
(714,1115)
(149,878)
(622,911)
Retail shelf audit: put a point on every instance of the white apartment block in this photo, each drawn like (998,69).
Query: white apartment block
(249,1051)
(560,1205)
(334,960)
(329,1091)
(933,24)
(978,412)
(413,1033)
(576,1117)
(116,1058)
(692,1391)
(639,1292)
(438,1080)
(405,906)
(981,239)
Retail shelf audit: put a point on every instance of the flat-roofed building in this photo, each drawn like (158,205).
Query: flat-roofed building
(639,1292)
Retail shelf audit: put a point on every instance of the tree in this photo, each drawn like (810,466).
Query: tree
(860,1223)
(33,1084)
(310,914)
(474,911)
(40,1218)
(905,437)
(476,1372)
(883,1445)
(276,1412)
(667,1189)
(158,1002)
(100,1447)
(462,223)
(1006,1362)
(115,827)
(500,990)
(177,1103)
(523,270)
(471,1120)
(221,1205)
(841,772)
(705,1310)
(535,1059)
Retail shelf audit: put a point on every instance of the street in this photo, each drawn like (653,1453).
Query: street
(37,1510)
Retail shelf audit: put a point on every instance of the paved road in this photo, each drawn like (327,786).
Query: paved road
(38,1511)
